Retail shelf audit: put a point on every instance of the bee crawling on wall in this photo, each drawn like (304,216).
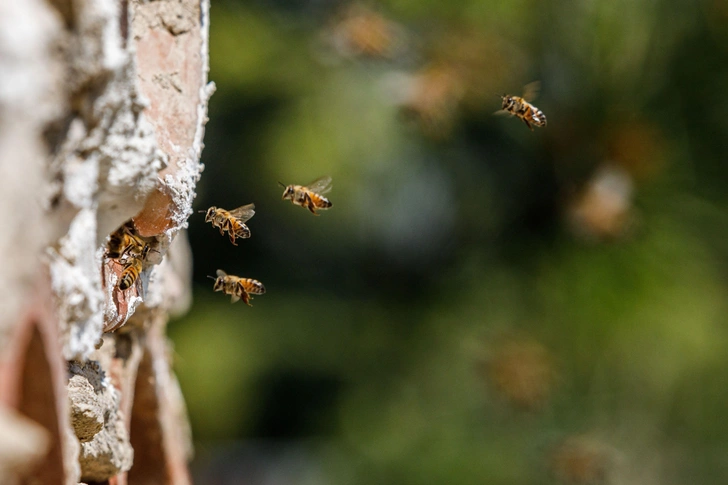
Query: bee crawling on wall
(124,242)
(132,269)
(309,196)
(238,288)
(128,248)
(521,107)
(232,221)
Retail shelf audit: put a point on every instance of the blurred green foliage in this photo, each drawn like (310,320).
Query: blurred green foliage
(483,303)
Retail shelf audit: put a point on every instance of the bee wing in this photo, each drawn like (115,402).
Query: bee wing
(531,90)
(221,273)
(243,213)
(234,298)
(321,185)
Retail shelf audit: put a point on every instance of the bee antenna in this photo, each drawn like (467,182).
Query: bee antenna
(281,184)
(203,210)
(211,277)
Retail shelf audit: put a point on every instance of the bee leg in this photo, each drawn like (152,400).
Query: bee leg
(527,124)
(232,239)
(310,206)
(243,295)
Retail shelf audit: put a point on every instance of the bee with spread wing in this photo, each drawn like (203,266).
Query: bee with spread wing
(521,107)
(238,288)
(309,196)
(232,221)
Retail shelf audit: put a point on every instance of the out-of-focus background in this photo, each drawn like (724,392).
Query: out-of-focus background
(483,303)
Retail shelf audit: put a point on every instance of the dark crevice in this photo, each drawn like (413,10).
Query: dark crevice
(38,402)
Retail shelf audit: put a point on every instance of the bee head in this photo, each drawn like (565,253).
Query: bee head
(116,239)
(210,213)
(288,192)
(218,282)
(507,101)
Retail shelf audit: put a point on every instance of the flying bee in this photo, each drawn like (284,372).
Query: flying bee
(238,288)
(521,107)
(364,32)
(232,221)
(309,196)
(432,97)
(133,268)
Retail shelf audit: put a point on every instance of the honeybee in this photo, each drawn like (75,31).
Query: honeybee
(364,32)
(132,269)
(231,221)
(129,249)
(433,98)
(309,196)
(522,108)
(124,241)
(238,288)
(583,460)
(522,372)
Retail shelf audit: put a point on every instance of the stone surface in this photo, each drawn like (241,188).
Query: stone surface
(87,410)
(105,166)
(32,381)
(28,100)
(159,430)
(102,112)
(23,443)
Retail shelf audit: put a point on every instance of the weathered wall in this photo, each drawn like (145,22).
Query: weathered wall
(102,111)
